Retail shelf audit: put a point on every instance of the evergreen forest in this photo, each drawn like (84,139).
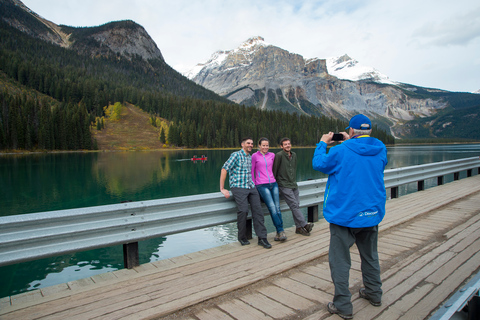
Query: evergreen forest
(50,98)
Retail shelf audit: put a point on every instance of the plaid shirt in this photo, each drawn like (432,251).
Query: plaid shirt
(239,168)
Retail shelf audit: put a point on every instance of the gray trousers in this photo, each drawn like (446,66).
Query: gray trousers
(243,197)
(366,239)
(292,198)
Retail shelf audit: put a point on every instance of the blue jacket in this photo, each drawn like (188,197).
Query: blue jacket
(355,193)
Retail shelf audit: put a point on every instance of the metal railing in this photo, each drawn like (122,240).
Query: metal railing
(39,235)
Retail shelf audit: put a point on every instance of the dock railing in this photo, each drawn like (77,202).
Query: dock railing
(34,236)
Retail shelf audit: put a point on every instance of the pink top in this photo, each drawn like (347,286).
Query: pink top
(262,168)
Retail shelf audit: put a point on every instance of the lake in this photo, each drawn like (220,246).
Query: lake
(46,182)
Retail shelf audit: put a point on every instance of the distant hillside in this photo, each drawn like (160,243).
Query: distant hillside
(132,131)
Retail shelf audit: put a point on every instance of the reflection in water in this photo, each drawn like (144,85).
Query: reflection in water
(125,173)
(46,182)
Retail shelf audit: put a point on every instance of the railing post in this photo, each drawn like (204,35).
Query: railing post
(456,176)
(249,229)
(130,255)
(421,185)
(312,213)
(394,192)
(440,180)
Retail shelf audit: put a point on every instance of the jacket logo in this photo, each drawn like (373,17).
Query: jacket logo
(367,213)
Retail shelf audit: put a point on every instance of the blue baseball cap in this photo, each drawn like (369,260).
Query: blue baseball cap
(360,122)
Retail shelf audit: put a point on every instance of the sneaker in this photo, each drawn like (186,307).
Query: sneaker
(277,237)
(263,242)
(302,231)
(333,310)
(364,295)
(308,227)
(244,242)
(283,236)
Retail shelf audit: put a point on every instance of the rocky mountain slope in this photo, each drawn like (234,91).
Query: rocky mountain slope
(268,77)
(126,38)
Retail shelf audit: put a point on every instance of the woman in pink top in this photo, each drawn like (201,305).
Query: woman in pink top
(262,175)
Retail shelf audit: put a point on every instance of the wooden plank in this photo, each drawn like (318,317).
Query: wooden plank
(400,238)
(303,290)
(312,281)
(26,297)
(242,311)
(270,307)
(287,298)
(60,288)
(402,305)
(424,307)
(454,263)
(463,226)
(212,314)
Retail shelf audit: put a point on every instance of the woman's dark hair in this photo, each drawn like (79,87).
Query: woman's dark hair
(261,140)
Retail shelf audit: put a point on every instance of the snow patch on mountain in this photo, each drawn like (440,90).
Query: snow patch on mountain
(478,91)
(246,51)
(346,68)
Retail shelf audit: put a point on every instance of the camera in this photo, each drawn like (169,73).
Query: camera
(337,137)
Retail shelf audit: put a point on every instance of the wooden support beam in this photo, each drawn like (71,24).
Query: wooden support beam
(130,255)
(312,213)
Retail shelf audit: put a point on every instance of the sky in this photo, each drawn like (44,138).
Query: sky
(428,43)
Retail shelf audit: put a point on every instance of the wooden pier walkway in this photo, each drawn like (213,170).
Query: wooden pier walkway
(429,246)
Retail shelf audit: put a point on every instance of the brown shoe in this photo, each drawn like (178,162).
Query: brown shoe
(308,227)
(302,231)
(277,237)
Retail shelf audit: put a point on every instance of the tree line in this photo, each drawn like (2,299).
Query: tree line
(34,123)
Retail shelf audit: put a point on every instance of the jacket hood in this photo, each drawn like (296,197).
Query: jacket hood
(366,146)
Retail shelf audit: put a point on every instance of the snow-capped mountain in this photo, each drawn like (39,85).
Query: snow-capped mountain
(346,68)
(243,56)
(478,91)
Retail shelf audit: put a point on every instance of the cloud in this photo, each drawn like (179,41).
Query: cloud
(460,30)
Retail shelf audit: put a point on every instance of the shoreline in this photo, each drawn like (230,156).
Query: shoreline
(27,152)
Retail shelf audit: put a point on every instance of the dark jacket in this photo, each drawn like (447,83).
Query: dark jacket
(285,169)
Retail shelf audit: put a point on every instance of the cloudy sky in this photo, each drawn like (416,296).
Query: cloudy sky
(430,43)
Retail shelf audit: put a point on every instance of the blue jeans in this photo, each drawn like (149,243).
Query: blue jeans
(269,194)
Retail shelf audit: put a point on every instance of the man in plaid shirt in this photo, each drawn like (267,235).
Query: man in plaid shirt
(239,168)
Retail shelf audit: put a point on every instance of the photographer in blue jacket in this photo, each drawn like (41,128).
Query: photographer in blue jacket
(354,205)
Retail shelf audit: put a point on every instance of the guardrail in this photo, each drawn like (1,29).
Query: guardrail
(39,235)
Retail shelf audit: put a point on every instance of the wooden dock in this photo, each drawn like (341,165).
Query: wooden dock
(428,245)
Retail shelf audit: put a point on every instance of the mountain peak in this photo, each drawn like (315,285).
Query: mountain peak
(252,42)
(243,52)
(346,68)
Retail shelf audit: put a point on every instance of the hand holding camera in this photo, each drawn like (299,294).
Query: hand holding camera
(330,137)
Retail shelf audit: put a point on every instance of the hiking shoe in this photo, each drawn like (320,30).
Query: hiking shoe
(364,295)
(244,242)
(302,231)
(277,237)
(333,310)
(308,227)
(264,243)
(283,236)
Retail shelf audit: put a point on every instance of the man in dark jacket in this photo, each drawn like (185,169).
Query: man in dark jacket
(285,172)
(354,205)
